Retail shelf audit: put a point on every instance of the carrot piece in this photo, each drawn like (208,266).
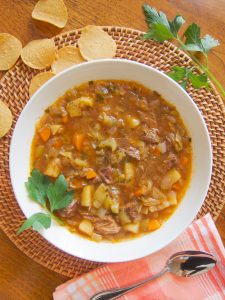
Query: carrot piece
(77,183)
(78,140)
(184,160)
(138,192)
(153,225)
(176,186)
(91,174)
(58,143)
(156,152)
(65,119)
(45,133)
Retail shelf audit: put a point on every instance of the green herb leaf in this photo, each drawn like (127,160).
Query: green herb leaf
(198,81)
(37,222)
(194,42)
(183,84)
(152,16)
(37,186)
(58,195)
(184,75)
(191,47)
(208,42)
(176,24)
(158,33)
(160,29)
(177,73)
(193,39)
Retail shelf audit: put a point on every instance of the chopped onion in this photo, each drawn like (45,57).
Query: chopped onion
(161,147)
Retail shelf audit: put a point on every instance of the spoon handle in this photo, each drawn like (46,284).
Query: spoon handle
(115,293)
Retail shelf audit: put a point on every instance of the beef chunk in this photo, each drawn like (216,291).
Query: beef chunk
(106,174)
(131,208)
(132,152)
(106,226)
(151,136)
(170,161)
(148,118)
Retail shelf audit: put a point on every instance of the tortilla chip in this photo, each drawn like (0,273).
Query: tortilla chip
(39,54)
(38,80)
(67,57)
(51,11)
(5,119)
(95,43)
(10,50)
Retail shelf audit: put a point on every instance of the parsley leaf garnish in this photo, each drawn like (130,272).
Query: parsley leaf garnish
(176,24)
(177,73)
(208,42)
(184,75)
(193,41)
(37,186)
(152,16)
(198,81)
(158,33)
(161,29)
(47,193)
(58,195)
(37,222)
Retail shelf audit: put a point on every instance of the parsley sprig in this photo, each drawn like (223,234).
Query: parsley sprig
(47,193)
(161,29)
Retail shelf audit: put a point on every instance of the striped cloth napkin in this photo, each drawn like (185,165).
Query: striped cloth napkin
(200,235)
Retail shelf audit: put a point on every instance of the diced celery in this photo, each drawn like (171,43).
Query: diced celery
(80,162)
(55,128)
(109,143)
(85,101)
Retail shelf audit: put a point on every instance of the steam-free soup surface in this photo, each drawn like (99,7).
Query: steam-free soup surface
(123,150)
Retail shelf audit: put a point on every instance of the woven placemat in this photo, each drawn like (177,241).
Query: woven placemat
(14,91)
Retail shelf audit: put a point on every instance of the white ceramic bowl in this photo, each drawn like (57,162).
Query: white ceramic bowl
(172,92)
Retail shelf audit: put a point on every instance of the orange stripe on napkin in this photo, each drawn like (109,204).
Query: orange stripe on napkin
(201,235)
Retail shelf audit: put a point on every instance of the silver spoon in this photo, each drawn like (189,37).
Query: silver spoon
(185,263)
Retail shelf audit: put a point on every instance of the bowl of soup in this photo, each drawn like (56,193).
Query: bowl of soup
(133,149)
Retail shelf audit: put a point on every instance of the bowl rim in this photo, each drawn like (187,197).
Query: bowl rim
(94,62)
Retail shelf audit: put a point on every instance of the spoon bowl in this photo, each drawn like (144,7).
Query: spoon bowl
(190,263)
